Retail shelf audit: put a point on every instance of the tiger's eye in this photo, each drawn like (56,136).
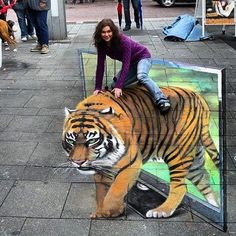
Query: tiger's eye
(92,141)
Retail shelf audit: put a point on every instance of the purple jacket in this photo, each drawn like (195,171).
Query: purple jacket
(130,53)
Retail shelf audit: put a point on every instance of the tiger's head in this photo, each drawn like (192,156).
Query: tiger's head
(93,138)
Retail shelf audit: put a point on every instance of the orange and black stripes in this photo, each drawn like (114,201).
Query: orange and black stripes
(180,137)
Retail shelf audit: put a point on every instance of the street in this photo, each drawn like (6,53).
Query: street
(90,12)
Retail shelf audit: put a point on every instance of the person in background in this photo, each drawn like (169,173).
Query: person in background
(26,27)
(4,6)
(38,11)
(135,58)
(224,8)
(74,1)
(135,6)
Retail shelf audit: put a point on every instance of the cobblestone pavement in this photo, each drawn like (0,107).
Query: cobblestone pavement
(37,197)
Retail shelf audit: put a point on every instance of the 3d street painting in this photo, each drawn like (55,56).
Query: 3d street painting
(182,151)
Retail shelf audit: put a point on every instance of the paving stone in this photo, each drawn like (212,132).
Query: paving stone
(34,124)
(51,112)
(232,228)
(124,228)
(52,101)
(18,111)
(4,121)
(35,173)
(9,92)
(48,154)
(13,100)
(11,172)
(5,186)
(28,84)
(6,84)
(16,152)
(80,202)
(231,214)
(11,226)
(56,124)
(231,157)
(35,199)
(71,103)
(54,85)
(59,227)
(54,137)
(189,229)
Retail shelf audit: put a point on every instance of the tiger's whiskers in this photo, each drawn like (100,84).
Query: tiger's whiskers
(65,167)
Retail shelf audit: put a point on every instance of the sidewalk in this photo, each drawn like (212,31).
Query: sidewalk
(37,199)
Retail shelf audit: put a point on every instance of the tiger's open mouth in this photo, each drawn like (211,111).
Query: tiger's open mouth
(87,168)
(84,167)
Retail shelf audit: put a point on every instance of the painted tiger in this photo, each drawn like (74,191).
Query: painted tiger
(111,138)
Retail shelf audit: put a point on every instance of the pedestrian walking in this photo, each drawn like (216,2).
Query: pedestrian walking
(38,11)
(26,27)
(135,58)
(135,5)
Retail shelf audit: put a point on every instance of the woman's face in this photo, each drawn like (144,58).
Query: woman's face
(107,34)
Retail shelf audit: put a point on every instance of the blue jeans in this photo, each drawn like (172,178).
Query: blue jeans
(126,4)
(39,21)
(139,72)
(25,24)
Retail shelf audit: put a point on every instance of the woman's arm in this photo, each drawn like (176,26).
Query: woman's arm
(100,69)
(126,58)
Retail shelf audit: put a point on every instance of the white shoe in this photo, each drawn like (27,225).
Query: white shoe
(142,186)
(24,39)
(33,36)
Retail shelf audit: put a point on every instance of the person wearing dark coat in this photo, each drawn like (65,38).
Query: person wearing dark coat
(26,27)
(126,4)
(38,11)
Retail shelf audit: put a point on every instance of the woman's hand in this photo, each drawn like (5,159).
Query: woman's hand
(96,92)
(117,92)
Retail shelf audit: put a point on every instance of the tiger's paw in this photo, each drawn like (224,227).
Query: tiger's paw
(94,215)
(159,213)
(107,213)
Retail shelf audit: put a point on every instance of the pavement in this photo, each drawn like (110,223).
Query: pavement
(39,198)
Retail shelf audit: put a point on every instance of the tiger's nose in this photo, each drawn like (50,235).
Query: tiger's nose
(79,162)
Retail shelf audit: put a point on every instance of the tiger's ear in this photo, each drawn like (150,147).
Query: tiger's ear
(68,111)
(108,110)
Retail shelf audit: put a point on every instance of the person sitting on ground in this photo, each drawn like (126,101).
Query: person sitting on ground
(136,62)
(38,11)
(26,27)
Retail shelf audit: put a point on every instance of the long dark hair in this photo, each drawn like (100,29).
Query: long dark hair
(97,36)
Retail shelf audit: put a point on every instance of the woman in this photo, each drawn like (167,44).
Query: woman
(135,58)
